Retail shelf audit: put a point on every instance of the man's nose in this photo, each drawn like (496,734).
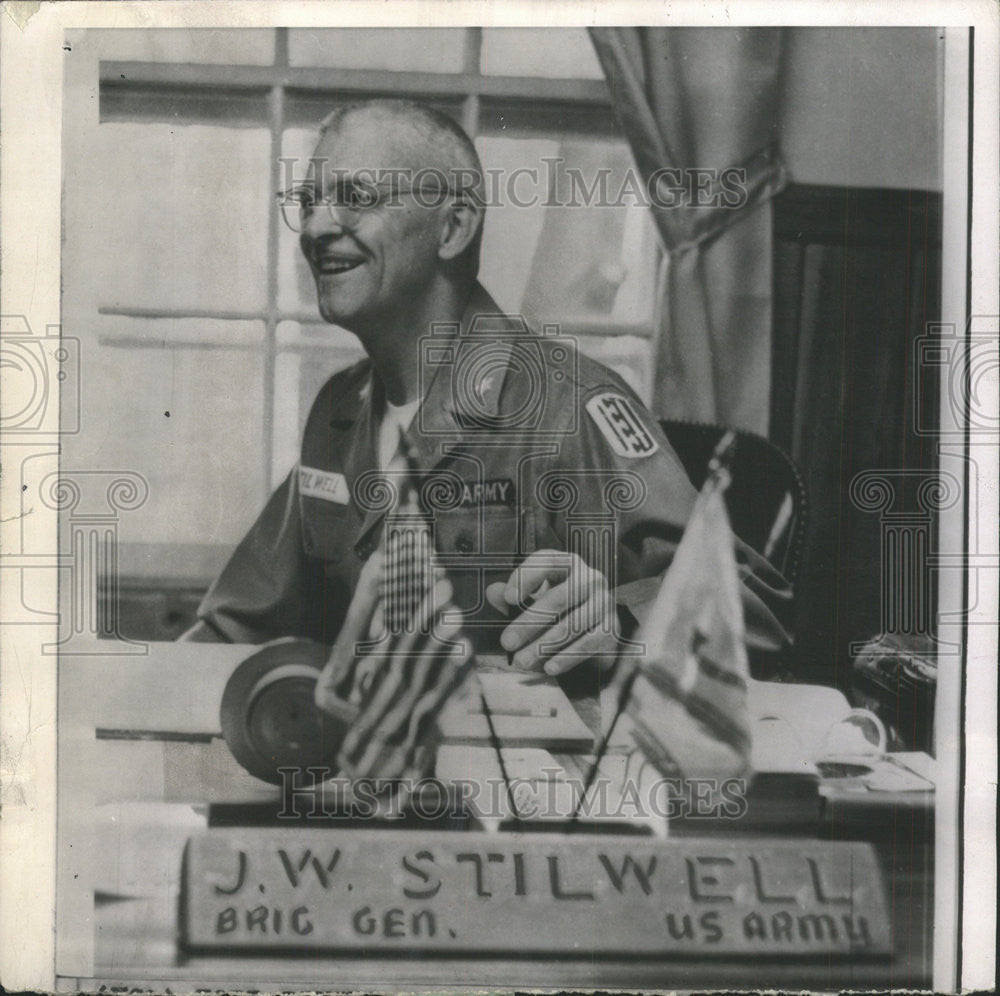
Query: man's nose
(329,219)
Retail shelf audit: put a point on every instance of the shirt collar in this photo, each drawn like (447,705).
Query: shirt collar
(437,422)
(439,418)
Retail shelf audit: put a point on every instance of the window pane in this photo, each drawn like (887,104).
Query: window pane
(432,50)
(511,234)
(307,108)
(169,216)
(308,356)
(296,291)
(506,118)
(174,333)
(629,356)
(548,52)
(191,421)
(607,277)
(243,46)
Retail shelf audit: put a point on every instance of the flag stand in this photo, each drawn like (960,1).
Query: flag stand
(413,473)
(718,477)
(495,744)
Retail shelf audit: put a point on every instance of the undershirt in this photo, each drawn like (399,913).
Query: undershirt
(394,419)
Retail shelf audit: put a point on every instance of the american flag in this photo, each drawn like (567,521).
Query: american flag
(420,661)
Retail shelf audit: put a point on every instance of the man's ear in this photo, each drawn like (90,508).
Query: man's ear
(460,227)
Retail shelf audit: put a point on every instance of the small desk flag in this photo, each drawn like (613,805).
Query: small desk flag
(688,701)
(404,678)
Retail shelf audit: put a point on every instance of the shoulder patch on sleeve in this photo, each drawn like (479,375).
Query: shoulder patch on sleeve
(615,416)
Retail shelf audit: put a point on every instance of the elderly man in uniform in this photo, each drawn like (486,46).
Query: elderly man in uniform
(534,439)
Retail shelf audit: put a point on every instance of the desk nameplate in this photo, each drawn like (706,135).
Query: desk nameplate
(310,890)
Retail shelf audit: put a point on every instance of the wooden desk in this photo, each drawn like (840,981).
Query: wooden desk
(121,840)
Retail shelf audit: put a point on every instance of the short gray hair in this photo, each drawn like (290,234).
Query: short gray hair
(442,132)
(434,125)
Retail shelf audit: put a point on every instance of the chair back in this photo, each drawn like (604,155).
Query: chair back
(766,498)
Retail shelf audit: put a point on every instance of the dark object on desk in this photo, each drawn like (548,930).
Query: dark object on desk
(896,677)
(269,718)
(431,806)
(766,499)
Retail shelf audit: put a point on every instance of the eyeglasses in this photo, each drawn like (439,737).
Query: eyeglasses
(350,199)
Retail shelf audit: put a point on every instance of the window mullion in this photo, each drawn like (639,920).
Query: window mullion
(473,50)
(276,123)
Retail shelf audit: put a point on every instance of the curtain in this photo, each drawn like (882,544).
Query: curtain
(856,285)
(699,107)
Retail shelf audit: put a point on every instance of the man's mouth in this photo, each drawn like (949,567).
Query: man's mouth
(333,263)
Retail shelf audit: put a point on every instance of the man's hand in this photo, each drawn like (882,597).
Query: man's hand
(567,613)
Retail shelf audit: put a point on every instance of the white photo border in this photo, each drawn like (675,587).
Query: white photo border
(31,38)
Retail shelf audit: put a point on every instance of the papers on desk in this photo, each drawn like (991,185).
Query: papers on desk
(528,710)
(886,774)
(175,690)
(918,762)
(802,771)
(546,789)
(547,752)
(796,781)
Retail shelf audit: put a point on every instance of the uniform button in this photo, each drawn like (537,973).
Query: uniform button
(464,543)
(363,550)
(308,541)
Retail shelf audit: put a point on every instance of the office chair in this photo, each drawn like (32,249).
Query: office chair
(766,499)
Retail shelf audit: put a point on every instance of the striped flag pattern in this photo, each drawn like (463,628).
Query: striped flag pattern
(419,663)
(688,701)
(406,577)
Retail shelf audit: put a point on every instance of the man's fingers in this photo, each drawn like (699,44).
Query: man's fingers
(582,619)
(593,644)
(495,596)
(536,619)
(551,606)
(376,625)
(362,607)
(541,566)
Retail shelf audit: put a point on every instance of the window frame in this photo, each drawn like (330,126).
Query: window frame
(279,96)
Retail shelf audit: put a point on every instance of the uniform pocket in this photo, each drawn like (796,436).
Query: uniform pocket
(479,546)
(487,532)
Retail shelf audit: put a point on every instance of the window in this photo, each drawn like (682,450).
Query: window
(196,312)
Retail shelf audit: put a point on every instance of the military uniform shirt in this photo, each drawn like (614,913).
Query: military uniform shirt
(523,444)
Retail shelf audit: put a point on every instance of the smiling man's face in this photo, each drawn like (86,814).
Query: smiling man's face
(373,267)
